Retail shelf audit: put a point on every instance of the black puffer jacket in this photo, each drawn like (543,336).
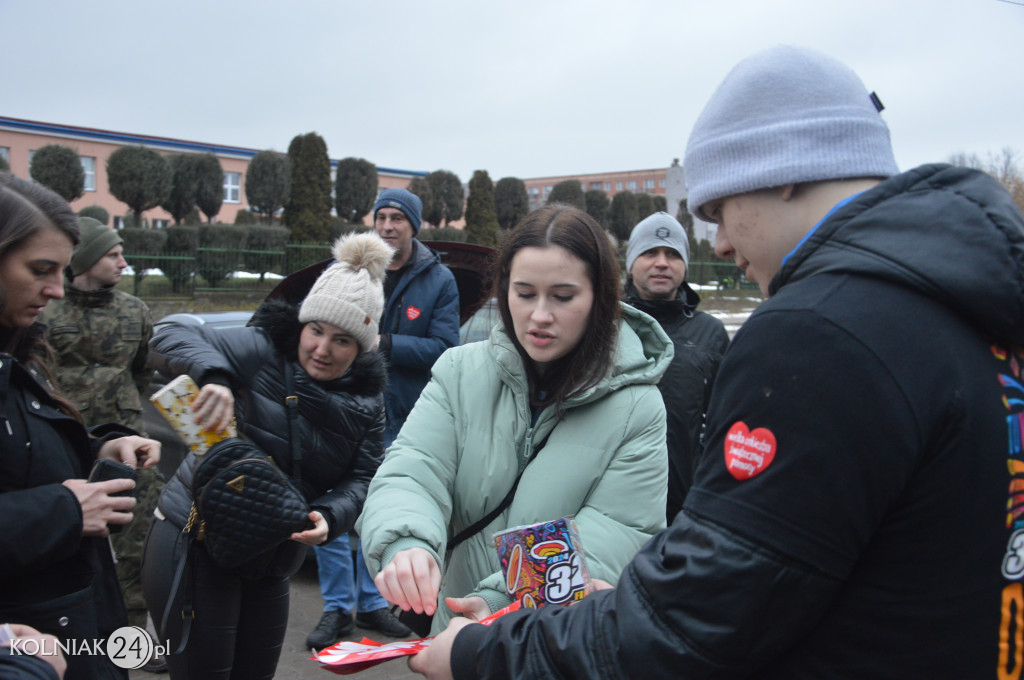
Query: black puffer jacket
(340,425)
(51,577)
(855,513)
(699,340)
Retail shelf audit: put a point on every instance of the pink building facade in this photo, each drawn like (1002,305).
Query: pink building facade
(19,139)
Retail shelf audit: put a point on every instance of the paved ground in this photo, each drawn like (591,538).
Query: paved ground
(305,614)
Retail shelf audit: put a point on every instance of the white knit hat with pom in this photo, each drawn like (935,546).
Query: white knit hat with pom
(350,293)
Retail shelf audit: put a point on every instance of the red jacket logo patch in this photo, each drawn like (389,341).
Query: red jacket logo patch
(412,313)
(748,454)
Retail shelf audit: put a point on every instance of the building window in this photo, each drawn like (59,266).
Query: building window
(607,186)
(618,186)
(631,185)
(534,191)
(89,166)
(595,185)
(160,224)
(649,185)
(5,153)
(547,190)
(232,187)
(661,182)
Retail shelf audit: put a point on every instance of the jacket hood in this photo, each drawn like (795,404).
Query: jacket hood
(280,321)
(952,233)
(643,352)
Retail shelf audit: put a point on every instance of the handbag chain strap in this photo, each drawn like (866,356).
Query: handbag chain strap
(291,401)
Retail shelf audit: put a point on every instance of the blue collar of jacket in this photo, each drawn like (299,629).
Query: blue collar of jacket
(422,258)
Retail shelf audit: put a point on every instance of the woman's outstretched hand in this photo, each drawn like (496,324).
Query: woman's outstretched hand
(474,608)
(411,580)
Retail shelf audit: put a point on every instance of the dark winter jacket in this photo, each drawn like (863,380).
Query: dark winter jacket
(700,341)
(14,666)
(48,570)
(855,512)
(420,321)
(340,424)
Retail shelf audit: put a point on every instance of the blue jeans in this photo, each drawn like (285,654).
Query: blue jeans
(339,586)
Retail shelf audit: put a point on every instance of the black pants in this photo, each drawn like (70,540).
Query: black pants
(239,623)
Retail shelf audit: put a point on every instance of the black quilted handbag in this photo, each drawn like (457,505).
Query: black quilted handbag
(243,503)
(243,506)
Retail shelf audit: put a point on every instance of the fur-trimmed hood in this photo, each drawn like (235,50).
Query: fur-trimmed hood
(280,321)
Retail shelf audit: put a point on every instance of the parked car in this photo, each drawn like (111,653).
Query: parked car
(213,319)
(478,326)
(469,262)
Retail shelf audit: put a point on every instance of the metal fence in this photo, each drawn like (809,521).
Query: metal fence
(213,271)
(723,274)
(217,270)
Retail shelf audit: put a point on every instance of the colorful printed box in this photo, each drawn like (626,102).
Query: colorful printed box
(544,563)
(174,401)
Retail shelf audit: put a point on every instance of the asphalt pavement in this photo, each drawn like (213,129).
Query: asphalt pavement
(306,608)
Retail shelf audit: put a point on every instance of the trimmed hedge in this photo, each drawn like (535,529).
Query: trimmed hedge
(218,253)
(96,212)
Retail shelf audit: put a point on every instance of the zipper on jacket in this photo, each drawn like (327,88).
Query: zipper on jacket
(527,449)
(398,314)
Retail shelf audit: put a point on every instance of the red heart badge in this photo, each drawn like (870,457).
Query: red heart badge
(747,453)
(412,313)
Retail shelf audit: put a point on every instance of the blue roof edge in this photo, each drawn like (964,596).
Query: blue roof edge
(166,142)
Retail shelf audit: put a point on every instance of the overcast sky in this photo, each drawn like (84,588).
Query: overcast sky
(527,88)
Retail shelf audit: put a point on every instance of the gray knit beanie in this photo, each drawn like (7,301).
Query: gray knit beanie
(784,116)
(350,293)
(97,240)
(660,229)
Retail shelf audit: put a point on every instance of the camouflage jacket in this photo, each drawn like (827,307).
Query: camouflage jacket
(101,339)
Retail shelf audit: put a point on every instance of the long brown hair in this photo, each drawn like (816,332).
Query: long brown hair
(25,210)
(577,232)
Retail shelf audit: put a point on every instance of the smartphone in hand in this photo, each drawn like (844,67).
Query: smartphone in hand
(104,469)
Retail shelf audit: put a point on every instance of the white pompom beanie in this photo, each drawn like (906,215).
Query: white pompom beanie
(784,116)
(349,294)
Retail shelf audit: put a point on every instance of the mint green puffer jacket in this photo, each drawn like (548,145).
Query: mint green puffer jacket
(469,434)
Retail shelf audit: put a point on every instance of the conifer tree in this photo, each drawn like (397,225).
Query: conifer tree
(138,177)
(209,185)
(623,214)
(598,206)
(569,192)
(58,167)
(355,188)
(511,202)
(184,184)
(447,205)
(481,217)
(268,183)
(308,211)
